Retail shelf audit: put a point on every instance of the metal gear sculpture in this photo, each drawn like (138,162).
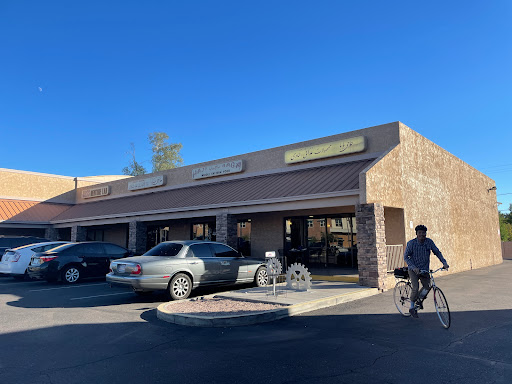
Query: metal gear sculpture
(274,267)
(298,277)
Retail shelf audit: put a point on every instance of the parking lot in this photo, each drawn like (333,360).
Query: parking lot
(54,333)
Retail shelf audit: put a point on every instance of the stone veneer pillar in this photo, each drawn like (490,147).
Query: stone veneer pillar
(137,237)
(371,245)
(226,229)
(51,234)
(78,233)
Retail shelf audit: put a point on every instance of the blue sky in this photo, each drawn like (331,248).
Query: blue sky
(80,81)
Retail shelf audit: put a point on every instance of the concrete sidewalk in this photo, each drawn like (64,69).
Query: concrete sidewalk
(322,294)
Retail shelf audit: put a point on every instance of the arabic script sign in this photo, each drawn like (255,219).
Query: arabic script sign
(150,182)
(334,148)
(218,169)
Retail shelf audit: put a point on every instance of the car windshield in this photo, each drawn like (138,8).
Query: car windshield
(165,249)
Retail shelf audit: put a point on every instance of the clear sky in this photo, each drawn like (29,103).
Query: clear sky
(81,80)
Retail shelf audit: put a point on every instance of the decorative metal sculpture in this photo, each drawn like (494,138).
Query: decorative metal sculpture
(298,277)
(274,267)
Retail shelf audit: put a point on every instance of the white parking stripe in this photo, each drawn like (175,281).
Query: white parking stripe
(110,294)
(66,287)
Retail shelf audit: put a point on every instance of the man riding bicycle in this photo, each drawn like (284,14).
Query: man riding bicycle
(417,257)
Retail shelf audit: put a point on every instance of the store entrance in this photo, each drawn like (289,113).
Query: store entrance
(322,242)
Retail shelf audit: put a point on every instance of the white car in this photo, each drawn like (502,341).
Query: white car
(16,260)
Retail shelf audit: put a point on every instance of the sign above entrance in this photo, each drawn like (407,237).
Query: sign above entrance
(150,182)
(220,169)
(95,192)
(333,148)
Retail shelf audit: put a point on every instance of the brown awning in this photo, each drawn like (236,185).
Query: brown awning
(29,211)
(300,183)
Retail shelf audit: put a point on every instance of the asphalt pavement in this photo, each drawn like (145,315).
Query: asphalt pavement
(55,334)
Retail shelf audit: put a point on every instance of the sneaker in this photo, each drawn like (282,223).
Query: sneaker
(413,312)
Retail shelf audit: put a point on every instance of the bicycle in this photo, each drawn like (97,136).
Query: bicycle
(402,292)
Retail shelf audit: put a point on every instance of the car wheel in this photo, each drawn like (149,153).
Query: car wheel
(180,287)
(261,278)
(70,274)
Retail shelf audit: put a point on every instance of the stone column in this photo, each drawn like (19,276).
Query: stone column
(78,233)
(226,229)
(371,245)
(137,237)
(51,234)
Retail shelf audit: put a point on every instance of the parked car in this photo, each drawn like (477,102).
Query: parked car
(72,262)
(15,261)
(7,242)
(180,266)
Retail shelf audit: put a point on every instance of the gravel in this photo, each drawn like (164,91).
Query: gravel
(219,307)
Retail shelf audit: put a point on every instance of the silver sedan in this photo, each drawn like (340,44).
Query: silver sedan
(180,266)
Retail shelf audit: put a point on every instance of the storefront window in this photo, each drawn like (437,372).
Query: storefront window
(156,234)
(203,231)
(322,241)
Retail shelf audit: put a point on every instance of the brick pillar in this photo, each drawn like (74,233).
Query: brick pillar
(51,234)
(137,237)
(226,229)
(78,233)
(371,245)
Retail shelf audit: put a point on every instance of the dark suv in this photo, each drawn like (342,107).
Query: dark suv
(71,262)
(7,242)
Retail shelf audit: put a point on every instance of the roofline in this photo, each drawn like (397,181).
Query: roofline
(346,193)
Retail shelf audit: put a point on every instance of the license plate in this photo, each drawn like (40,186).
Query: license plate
(121,268)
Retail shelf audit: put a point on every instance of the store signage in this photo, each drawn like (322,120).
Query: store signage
(270,254)
(95,192)
(334,148)
(218,169)
(149,182)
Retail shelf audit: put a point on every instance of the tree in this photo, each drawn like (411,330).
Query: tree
(134,168)
(165,155)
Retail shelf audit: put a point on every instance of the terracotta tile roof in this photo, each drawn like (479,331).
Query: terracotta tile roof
(29,211)
(300,183)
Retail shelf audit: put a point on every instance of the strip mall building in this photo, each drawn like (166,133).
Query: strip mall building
(350,200)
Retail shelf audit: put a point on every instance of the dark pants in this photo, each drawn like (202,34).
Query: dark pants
(425,282)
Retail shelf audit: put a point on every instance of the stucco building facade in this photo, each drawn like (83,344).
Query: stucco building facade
(350,200)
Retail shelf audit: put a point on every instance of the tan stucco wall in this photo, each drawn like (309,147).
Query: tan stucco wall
(379,139)
(24,185)
(267,233)
(442,192)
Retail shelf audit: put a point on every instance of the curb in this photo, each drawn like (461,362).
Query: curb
(259,317)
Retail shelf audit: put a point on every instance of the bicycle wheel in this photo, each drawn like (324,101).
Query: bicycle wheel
(401,295)
(443,312)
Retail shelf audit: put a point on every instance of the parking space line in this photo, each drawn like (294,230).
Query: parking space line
(110,294)
(67,287)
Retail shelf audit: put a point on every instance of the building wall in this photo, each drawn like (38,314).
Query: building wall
(267,234)
(379,139)
(117,235)
(21,185)
(442,192)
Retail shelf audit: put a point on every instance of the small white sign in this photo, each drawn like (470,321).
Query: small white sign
(269,255)
(411,224)
(220,169)
(149,182)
